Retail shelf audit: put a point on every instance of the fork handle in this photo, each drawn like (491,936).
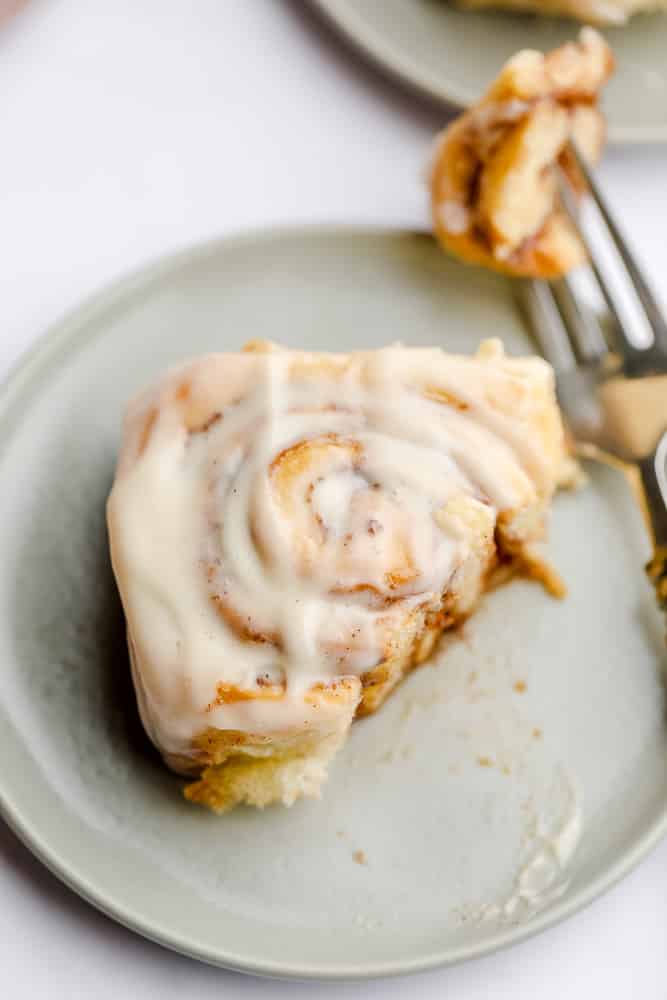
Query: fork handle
(653,471)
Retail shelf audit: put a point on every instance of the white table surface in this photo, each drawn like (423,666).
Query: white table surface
(133,128)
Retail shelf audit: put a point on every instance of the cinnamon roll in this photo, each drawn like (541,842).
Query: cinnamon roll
(291,533)
(589,11)
(494,183)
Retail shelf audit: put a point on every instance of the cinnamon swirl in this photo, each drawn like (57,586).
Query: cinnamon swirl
(291,533)
(494,183)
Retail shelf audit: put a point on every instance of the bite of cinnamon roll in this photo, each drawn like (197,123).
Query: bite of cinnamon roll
(291,533)
(494,175)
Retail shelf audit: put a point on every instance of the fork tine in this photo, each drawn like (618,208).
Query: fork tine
(566,329)
(641,287)
(546,324)
(579,320)
(638,321)
(556,337)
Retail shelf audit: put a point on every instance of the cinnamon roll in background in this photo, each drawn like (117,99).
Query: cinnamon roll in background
(494,183)
(590,11)
(291,533)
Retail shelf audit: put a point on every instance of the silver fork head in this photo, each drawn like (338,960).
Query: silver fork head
(613,393)
(595,366)
(606,408)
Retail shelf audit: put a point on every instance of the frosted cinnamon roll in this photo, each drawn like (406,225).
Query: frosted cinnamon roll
(291,533)
(494,184)
(590,11)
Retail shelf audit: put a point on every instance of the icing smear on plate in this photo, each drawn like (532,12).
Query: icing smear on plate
(550,843)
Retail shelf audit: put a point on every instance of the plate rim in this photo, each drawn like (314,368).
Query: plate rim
(70,331)
(341,17)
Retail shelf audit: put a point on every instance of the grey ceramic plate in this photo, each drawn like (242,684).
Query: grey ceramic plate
(443,790)
(452,54)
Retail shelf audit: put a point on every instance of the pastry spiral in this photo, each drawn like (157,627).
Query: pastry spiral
(291,532)
(494,177)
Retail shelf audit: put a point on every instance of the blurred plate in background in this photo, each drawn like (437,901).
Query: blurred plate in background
(452,54)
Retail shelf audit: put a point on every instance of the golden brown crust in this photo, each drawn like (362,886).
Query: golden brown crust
(235,767)
(494,188)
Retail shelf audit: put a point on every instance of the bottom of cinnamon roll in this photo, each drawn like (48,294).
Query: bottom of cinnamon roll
(257,770)
(292,533)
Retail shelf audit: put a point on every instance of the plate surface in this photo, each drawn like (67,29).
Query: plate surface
(453,54)
(449,790)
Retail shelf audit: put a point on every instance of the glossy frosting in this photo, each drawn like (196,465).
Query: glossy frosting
(277,516)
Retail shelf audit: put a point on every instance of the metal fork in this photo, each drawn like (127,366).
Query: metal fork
(611,377)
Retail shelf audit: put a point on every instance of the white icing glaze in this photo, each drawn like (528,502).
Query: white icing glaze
(280,516)
(542,878)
